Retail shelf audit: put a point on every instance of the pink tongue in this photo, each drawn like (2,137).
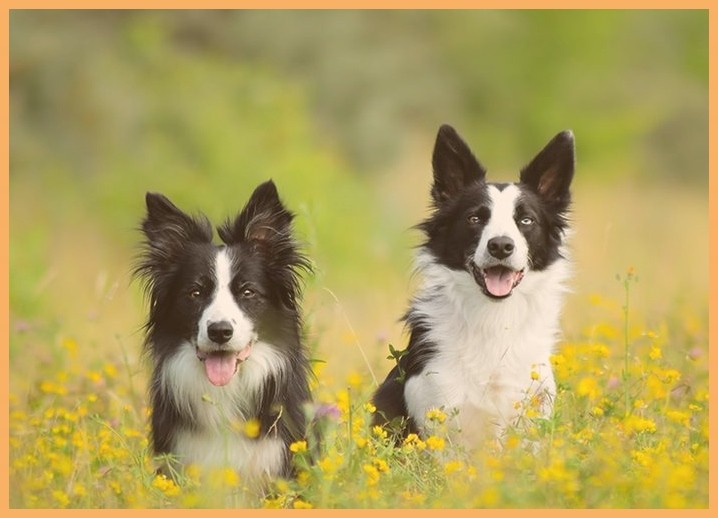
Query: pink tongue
(220,368)
(500,281)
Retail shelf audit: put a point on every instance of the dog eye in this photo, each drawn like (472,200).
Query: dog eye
(248,293)
(526,220)
(478,217)
(195,293)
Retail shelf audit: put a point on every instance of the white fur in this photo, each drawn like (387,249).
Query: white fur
(254,459)
(218,410)
(224,307)
(486,349)
(501,223)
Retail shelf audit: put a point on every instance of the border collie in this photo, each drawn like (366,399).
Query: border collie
(485,320)
(224,336)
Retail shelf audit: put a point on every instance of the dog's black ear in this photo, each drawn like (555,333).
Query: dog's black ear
(550,172)
(265,225)
(455,166)
(264,219)
(168,231)
(165,223)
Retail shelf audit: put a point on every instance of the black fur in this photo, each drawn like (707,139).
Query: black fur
(460,210)
(176,265)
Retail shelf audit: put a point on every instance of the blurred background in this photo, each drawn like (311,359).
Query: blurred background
(341,108)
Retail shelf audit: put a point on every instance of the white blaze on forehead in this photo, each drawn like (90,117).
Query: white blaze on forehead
(502,223)
(223,307)
(503,206)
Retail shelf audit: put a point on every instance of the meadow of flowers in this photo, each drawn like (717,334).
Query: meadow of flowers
(630,429)
(202,106)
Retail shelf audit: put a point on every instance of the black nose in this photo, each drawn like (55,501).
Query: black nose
(501,247)
(220,332)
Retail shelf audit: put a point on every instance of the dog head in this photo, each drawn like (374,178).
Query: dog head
(498,232)
(220,298)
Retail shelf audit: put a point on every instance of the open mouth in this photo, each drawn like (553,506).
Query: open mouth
(497,281)
(221,366)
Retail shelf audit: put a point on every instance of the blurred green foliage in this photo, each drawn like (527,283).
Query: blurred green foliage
(633,84)
(203,105)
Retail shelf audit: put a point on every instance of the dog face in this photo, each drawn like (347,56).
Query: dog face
(220,299)
(498,232)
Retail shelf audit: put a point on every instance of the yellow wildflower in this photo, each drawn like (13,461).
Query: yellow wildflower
(641,458)
(342,401)
(301,504)
(381,465)
(71,346)
(230,478)
(372,474)
(110,370)
(497,475)
(193,473)
(412,442)
(190,500)
(359,440)
(354,380)
(50,387)
(435,443)
(303,478)
(511,442)
(677,416)
(637,424)
(671,376)
(274,503)
(252,428)
(369,408)
(61,498)
(166,485)
(298,447)
(489,497)
(330,463)
(435,414)
(94,376)
(378,431)
(588,387)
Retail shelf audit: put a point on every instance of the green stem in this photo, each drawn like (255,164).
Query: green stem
(627,289)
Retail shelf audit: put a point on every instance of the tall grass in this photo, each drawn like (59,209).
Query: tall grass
(630,429)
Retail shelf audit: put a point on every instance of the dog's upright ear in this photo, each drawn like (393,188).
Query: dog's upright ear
(454,165)
(550,172)
(263,220)
(168,231)
(166,224)
(265,225)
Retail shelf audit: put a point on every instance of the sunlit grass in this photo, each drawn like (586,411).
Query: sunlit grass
(630,426)
(630,429)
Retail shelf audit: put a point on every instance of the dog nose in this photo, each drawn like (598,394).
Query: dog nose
(220,332)
(501,247)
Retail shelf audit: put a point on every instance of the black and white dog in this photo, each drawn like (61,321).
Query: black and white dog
(224,335)
(484,323)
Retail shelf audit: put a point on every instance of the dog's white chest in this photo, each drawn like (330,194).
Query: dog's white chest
(217,448)
(491,360)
